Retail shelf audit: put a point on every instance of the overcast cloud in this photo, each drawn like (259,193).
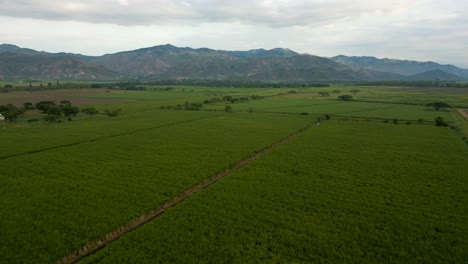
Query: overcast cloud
(418,29)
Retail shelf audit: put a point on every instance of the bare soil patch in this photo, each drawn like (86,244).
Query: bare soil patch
(19,98)
(463,112)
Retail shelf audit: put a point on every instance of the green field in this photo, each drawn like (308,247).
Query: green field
(340,193)
(356,188)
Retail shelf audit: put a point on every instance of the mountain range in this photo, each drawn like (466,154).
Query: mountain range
(170,62)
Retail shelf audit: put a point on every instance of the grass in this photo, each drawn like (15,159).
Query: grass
(350,190)
(341,193)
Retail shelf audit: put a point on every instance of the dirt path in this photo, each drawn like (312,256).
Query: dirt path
(95,246)
(463,113)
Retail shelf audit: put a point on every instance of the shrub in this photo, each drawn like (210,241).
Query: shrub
(90,111)
(51,118)
(439,121)
(111,113)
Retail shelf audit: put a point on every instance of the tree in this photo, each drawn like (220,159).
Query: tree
(8,86)
(324,93)
(43,105)
(345,97)
(65,103)
(70,110)
(439,121)
(28,106)
(228,108)
(10,112)
(54,110)
(355,91)
(437,105)
(336,91)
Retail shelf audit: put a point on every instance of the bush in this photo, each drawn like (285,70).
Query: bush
(345,97)
(439,121)
(90,111)
(395,121)
(115,112)
(51,118)
(408,123)
(304,113)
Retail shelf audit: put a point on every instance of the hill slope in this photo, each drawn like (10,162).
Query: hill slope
(404,67)
(170,62)
(50,67)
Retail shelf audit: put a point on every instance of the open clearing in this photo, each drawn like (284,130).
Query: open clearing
(356,188)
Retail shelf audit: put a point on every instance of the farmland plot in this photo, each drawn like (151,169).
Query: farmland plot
(56,200)
(342,192)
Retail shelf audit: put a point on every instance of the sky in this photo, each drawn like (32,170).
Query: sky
(423,30)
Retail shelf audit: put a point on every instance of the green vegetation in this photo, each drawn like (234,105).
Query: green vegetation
(355,188)
(438,105)
(341,193)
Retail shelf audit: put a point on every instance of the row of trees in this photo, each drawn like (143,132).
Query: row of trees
(52,110)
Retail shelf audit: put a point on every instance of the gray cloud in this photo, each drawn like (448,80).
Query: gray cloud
(276,13)
(418,29)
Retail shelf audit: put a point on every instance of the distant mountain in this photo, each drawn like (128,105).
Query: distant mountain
(263,53)
(17,50)
(50,67)
(170,62)
(404,67)
(434,75)
(157,60)
(296,68)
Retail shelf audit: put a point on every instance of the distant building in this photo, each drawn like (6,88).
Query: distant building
(2,117)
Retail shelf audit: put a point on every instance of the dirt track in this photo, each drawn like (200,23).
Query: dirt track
(463,112)
(95,246)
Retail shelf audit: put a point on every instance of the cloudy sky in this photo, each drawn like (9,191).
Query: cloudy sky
(406,29)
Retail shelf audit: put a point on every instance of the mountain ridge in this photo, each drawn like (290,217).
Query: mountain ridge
(404,67)
(171,62)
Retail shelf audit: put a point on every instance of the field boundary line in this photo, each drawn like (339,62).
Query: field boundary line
(106,137)
(462,113)
(136,223)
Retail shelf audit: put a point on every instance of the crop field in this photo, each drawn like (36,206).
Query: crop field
(77,96)
(356,188)
(340,193)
